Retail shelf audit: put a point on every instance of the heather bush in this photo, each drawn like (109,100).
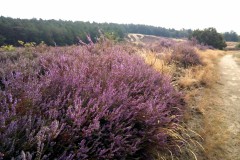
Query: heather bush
(8,56)
(185,56)
(162,45)
(75,104)
(201,46)
(167,43)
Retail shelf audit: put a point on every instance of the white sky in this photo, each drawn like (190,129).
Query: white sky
(221,14)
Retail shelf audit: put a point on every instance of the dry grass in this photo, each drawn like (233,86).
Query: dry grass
(189,80)
(186,151)
(204,75)
(207,105)
(197,83)
(196,77)
(214,135)
(159,64)
(231,45)
(202,99)
(210,56)
(236,55)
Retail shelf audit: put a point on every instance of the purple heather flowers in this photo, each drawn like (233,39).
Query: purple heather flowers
(70,103)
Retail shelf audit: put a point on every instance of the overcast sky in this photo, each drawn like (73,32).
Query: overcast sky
(221,14)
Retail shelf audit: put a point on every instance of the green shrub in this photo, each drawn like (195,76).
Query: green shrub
(27,44)
(209,37)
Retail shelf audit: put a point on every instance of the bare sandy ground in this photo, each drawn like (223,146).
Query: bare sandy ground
(147,39)
(230,78)
(135,38)
(227,113)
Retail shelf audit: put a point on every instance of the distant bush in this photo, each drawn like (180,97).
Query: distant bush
(167,43)
(185,56)
(161,45)
(210,37)
(75,104)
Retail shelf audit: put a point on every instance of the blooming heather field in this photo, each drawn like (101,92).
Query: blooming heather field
(100,101)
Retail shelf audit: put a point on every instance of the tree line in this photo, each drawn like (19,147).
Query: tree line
(59,32)
(231,36)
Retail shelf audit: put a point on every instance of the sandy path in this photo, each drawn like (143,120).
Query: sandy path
(229,110)
(135,38)
(230,76)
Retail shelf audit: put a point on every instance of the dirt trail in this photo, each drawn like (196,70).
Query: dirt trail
(135,38)
(229,111)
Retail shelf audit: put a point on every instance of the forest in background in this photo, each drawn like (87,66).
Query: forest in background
(61,33)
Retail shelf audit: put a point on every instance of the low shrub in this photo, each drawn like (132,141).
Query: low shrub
(185,56)
(75,104)
(162,45)
(194,43)
(8,48)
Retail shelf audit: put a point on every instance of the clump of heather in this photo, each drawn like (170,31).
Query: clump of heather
(185,56)
(194,43)
(77,103)
(162,45)
(167,43)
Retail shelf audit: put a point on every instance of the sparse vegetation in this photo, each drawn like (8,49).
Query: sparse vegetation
(237,46)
